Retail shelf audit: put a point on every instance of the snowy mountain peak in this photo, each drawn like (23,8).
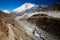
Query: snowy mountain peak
(24,7)
(6,11)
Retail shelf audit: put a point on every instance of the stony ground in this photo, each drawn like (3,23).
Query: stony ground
(10,29)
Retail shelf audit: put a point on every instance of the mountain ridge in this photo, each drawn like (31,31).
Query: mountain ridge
(24,7)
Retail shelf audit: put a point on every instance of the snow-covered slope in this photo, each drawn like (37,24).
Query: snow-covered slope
(6,11)
(24,7)
(26,15)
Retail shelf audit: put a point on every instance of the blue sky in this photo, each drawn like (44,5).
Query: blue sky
(12,4)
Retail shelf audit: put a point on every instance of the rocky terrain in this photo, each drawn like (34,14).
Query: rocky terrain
(10,29)
(46,23)
(33,22)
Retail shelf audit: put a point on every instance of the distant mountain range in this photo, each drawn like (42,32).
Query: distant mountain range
(53,7)
(30,8)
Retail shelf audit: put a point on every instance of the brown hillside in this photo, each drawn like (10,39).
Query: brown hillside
(10,29)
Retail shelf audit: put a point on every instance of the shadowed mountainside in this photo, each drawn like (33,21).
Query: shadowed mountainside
(46,23)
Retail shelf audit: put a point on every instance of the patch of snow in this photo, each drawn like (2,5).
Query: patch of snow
(26,15)
(44,5)
(36,34)
(6,11)
(55,14)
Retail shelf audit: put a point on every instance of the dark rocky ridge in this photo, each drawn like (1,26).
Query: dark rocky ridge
(53,7)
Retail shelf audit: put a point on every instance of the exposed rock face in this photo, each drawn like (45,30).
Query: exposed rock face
(10,29)
(55,6)
(49,24)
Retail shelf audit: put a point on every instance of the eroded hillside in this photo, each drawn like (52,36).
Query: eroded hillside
(10,29)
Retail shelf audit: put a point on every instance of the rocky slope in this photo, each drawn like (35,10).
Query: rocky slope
(10,29)
(47,23)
